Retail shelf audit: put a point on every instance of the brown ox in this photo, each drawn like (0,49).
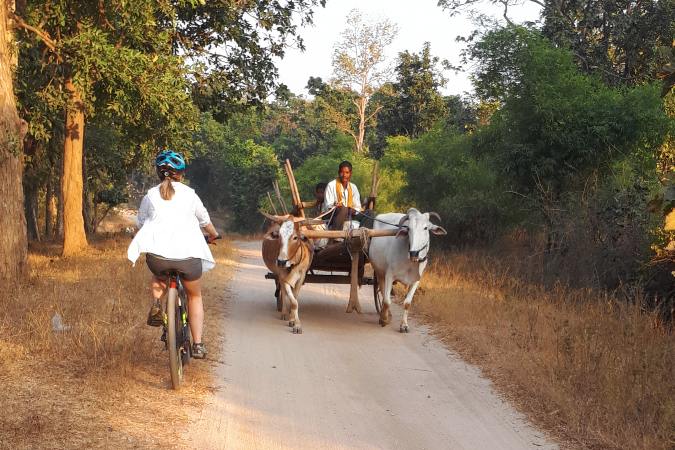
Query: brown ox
(288,254)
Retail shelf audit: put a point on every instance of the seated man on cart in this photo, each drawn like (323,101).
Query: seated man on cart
(315,208)
(342,194)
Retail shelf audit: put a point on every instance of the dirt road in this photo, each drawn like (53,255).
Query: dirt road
(346,382)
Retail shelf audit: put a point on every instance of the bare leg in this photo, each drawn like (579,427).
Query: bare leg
(284,302)
(295,318)
(195,309)
(406,306)
(385,315)
(158,287)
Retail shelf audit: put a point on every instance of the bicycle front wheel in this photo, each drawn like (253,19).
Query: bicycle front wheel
(174,340)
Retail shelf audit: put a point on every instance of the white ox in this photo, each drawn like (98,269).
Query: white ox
(401,258)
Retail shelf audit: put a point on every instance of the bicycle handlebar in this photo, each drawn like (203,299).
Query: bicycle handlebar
(206,238)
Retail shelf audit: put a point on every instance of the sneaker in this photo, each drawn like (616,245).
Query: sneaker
(155,316)
(199,351)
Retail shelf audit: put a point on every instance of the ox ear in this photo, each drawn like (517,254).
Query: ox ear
(271,236)
(401,232)
(272,233)
(438,230)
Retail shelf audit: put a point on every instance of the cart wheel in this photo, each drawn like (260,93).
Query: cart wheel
(377,295)
(277,294)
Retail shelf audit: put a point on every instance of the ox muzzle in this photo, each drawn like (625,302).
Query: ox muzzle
(415,256)
(282,262)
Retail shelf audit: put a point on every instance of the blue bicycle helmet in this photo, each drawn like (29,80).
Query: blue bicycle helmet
(171,159)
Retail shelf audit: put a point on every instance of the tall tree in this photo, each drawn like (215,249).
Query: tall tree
(359,64)
(107,57)
(417,103)
(127,59)
(12,129)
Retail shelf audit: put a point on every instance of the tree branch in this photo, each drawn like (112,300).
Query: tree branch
(506,10)
(377,110)
(43,35)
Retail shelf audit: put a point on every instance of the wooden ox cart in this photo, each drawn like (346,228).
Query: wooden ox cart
(344,259)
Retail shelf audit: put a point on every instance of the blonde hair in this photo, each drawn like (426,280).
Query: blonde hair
(166,189)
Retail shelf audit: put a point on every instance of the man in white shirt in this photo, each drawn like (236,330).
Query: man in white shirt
(343,195)
(341,192)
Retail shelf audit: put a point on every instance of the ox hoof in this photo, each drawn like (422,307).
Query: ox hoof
(383,322)
(291,323)
(297,330)
(284,317)
(403,329)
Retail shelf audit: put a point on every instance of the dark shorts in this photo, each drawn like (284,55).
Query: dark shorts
(190,269)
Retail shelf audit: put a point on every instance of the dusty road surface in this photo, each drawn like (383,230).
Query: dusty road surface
(345,382)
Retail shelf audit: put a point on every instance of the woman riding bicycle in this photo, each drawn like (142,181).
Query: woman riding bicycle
(170,218)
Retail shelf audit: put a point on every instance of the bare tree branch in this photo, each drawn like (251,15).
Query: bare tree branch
(43,35)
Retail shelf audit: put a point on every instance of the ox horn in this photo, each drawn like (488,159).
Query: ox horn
(435,214)
(403,220)
(273,218)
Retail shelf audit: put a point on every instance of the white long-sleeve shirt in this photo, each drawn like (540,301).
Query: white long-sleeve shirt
(330,196)
(172,228)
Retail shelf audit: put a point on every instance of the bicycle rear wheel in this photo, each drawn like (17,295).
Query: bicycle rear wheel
(174,338)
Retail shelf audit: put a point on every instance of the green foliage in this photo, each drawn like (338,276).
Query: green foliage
(556,123)
(233,46)
(618,41)
(118,55)
(298,128)
(416,105)
(445,176)
(231,172)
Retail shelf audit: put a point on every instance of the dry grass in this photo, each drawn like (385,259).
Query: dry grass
(104,383)
(596,372)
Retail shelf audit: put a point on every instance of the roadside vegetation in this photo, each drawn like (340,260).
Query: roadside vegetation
(592,367)
(554,179)
(96,376)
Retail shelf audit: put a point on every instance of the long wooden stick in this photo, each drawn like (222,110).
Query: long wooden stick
(373,186)
(294,188)
(291,179)
(274,208)
(277,191)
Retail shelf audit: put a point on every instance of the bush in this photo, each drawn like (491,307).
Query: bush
(444,176)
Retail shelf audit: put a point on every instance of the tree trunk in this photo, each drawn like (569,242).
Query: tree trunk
(13,243)
(50,209)
(74,236)
(362,123)
(88,212)
(59,205)
(31,209)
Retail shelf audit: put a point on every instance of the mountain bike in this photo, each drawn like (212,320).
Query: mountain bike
(177,336)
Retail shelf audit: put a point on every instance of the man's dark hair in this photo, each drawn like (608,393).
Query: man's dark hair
(345,164)
(320,186)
